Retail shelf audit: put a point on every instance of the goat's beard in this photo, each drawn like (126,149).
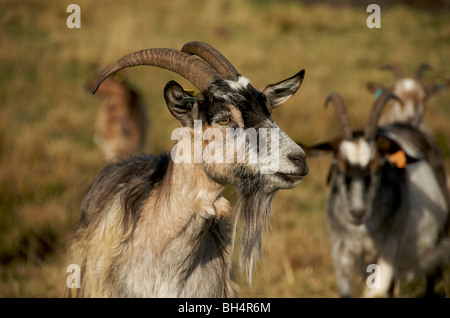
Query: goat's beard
(252,208)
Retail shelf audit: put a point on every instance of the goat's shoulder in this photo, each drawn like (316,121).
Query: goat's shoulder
(136,176)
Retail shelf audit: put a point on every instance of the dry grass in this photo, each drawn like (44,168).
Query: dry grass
(48,157)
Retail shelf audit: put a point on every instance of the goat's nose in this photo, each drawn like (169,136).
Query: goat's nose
(299,160)
(357,215)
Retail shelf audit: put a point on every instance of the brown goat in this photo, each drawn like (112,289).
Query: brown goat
(412,92)
(122,120)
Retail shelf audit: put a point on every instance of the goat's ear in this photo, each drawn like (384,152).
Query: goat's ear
(182,105)
(438,87)
(375,88)
(280,92)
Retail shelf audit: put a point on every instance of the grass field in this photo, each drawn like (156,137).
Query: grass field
(47,152)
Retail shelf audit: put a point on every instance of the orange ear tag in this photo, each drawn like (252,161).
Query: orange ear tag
(398,158)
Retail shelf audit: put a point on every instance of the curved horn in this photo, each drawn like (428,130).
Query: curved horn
(372,123)
(192,68)
(341,111)
(213,57)
(419,71)
(394,68)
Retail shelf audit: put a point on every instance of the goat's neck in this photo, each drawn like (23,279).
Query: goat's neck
(193,186)
(185,203)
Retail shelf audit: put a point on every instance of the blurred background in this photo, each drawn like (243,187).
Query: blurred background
(47,119)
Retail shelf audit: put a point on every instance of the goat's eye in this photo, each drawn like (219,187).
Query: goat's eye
(224,121)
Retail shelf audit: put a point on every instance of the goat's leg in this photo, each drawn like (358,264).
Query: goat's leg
(343,265)
(432,278)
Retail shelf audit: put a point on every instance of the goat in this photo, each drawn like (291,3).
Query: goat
(412,92)
(388,203)
(413,95)
(152,227)
(122,120)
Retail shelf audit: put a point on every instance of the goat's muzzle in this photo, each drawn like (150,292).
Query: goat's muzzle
(299,160)
(357,216)
(296,175)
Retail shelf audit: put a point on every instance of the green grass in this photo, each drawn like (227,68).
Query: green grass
(48,157)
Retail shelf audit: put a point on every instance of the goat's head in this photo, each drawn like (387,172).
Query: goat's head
(358,160)
(228,101)
(412,91)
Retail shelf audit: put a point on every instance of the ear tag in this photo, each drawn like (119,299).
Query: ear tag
(378,93)
(439,84)
(189,90)
(190,99)
(398,158)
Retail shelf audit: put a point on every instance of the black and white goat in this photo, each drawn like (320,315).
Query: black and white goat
(388,204)
(153,227)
